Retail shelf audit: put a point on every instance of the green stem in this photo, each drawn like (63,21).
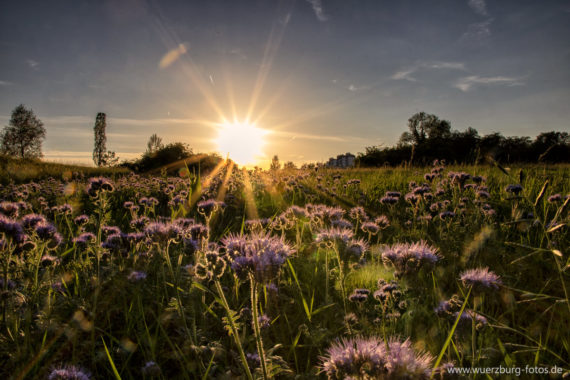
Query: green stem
(234,329)
(256,329)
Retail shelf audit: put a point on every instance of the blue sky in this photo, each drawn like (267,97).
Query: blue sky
(324,76)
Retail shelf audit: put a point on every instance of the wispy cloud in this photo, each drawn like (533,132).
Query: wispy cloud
(407,74)
(172,56)
(318,9)
(32,64)
(306,136)
(478,6)
(5,83)
(478,32)
(467,83)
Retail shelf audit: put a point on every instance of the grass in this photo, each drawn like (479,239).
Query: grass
(153,301)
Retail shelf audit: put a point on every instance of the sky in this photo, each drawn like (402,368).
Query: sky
(323,77)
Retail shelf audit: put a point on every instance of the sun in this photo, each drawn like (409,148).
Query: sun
(242,142)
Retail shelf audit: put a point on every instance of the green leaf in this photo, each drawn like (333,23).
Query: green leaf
(117,376)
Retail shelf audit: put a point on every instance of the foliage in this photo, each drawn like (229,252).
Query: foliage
(430,138)
(101,156)
(23,137)
(172,158)
(29,170)
(275,164)
(154,144)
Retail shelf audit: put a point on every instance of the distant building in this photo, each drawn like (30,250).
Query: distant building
(342,161)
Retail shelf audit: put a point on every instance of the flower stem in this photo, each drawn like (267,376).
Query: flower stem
(256,328)
(234,329)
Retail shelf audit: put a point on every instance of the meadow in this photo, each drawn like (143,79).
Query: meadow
(389,273)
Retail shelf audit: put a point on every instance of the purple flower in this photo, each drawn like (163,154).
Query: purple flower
(264,321)
(140,222)
(150,369)
(162,232)
(297,212)
(198,232)
(382,221)
(235,245)
(514,189)
(394,194)
(99,184)
(411,198)
(81,220)
(483,194)
(420,190)
(12,229)
(446,215)
(69,372)
(116,242)
(478,179)
(357,213)
(359,295)
(209,206)
(48,233)
(30,221)
(9,209)
(332,236)
(370,227)
(84,238)
(110,230)
(480,278)
(373,358)
(341,223)
(262,257)
(356,248)
(136,276)
(388,200)
(409,258)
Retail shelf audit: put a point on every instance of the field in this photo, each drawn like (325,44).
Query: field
(362,273)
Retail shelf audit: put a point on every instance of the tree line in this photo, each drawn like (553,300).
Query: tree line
(429,138)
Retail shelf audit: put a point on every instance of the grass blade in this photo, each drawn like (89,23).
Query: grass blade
(450,335)
(117,376)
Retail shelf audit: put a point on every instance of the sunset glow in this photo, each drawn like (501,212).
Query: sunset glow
(242,142)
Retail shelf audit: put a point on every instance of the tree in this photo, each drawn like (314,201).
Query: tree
(275,164)
(102,156)
(154,144)
(289,165)
(100,139)
(424,126)
(24,136)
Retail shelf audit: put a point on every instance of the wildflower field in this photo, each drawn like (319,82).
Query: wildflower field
(400,273)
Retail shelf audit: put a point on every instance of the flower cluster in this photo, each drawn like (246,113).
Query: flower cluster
(373,358)
(98,185)
(259,254)
(480,279)
(408,258)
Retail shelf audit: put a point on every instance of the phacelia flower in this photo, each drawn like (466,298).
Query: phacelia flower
(69,372)
(262,257)
(136,276)
(480,279)
(373,358)
(410,258)
(514,189)
(99,184)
